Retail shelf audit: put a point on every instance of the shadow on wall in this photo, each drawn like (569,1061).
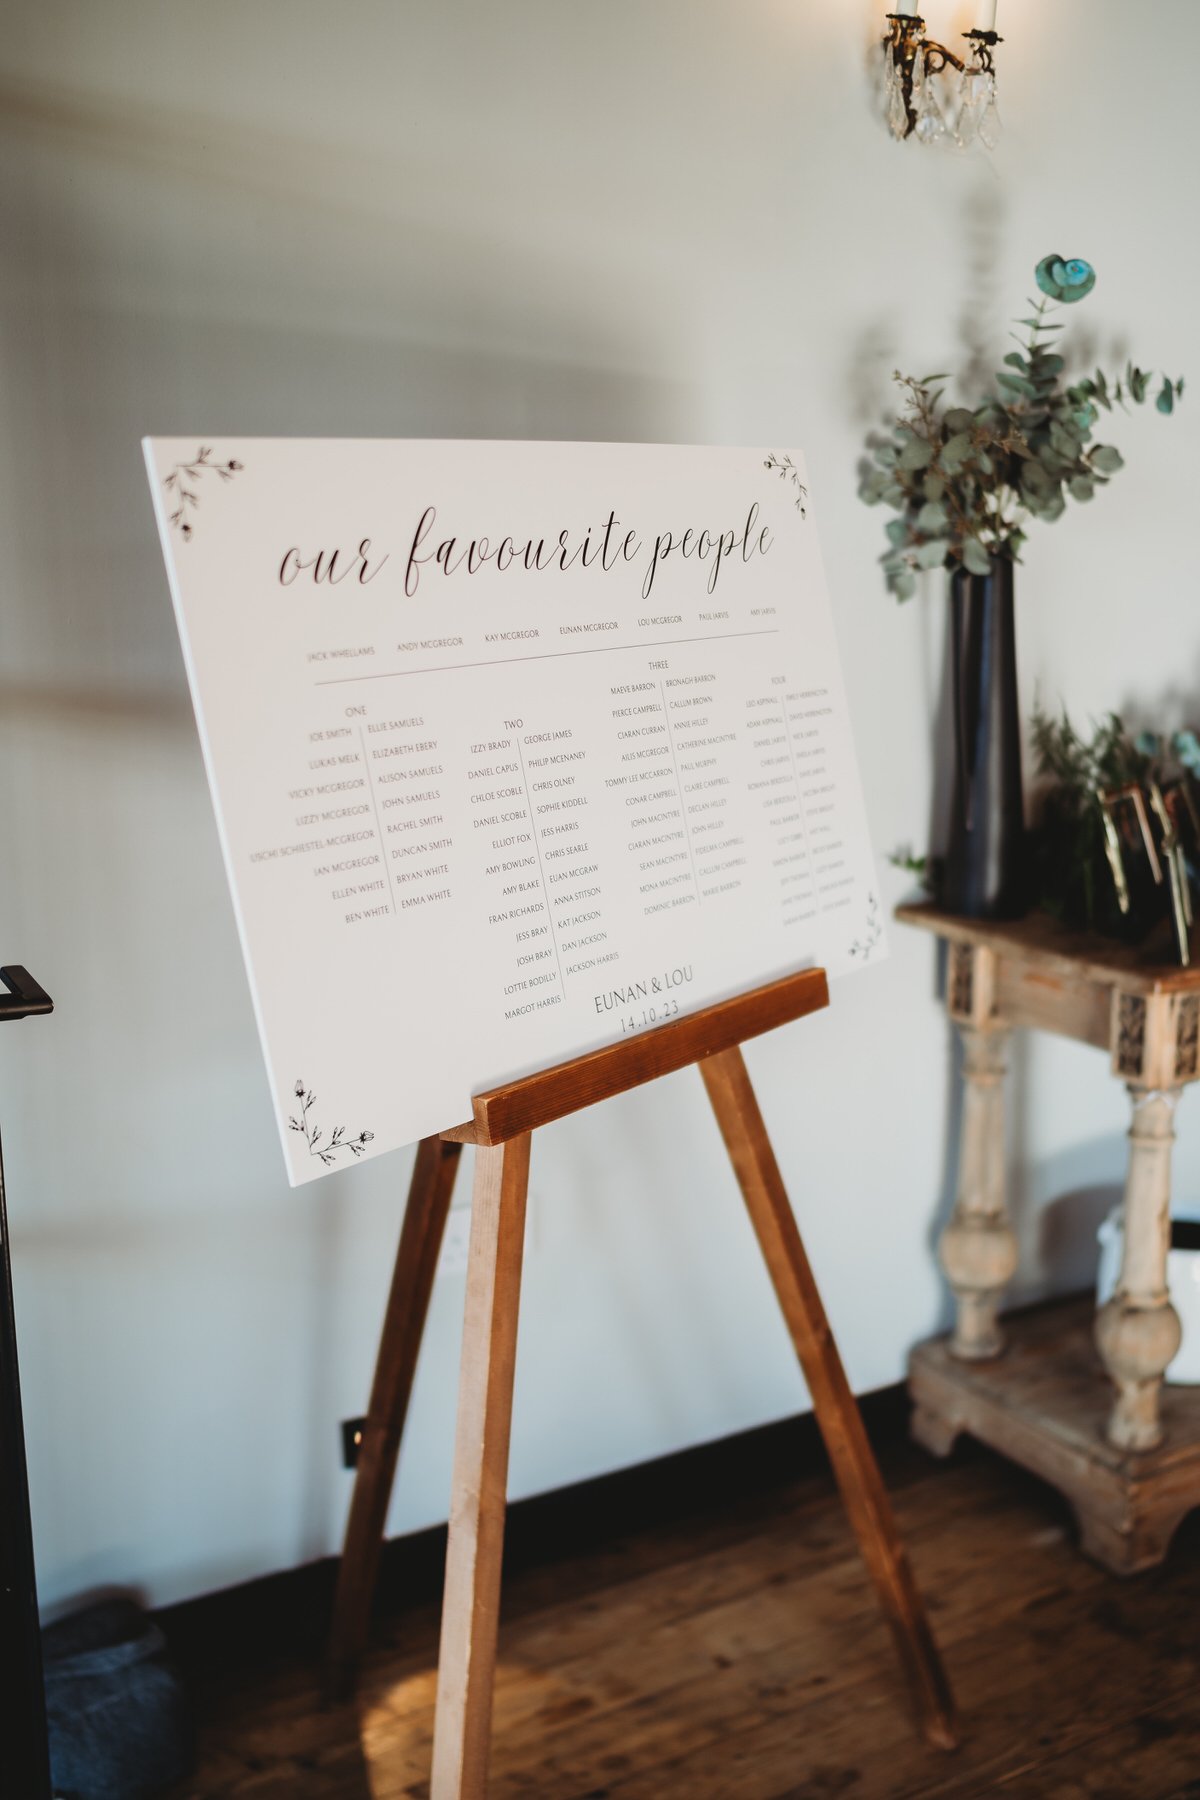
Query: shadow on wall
(139,300)
(1070,1251)
(1059,1249)
(1058,1204)
(91,608)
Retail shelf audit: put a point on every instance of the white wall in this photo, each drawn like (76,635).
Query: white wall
(671,221)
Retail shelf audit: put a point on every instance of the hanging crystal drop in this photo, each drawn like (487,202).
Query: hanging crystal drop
(973,93)
(930,124)
(897,111)
(918,78)
(881,71)
(989,124)
(889,78)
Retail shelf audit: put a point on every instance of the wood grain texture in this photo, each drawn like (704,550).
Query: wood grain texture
(518,1106)
(858,1477)
(1139,968)
(429,1196)
(1047,1000)
(736,1653)
(471,1606)
(1045,1404)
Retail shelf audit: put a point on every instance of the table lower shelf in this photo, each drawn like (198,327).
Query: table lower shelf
(1045,1403)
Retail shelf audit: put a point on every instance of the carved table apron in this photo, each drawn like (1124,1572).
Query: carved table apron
(1128,1461)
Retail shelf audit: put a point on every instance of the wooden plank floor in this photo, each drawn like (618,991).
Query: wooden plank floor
(739,1655)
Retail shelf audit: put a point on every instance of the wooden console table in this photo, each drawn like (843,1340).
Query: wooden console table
(1129,1465)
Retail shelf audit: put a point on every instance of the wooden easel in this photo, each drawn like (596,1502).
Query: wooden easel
(501,1128)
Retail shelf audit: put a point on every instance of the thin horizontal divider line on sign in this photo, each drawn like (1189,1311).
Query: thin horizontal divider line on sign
(518,1106)
(546,656)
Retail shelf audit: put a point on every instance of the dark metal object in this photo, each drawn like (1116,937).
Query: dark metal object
(906,35)
(24,1753)
(986,859)
(24,996)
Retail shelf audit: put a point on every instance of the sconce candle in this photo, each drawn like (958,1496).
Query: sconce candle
(917,104)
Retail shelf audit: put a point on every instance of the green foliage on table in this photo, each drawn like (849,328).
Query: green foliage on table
(964,481)
(1069,867)
(1069,872)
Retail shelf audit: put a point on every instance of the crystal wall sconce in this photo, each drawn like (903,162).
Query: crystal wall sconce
(913,105)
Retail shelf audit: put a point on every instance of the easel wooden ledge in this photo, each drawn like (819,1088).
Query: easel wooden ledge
(503,1120)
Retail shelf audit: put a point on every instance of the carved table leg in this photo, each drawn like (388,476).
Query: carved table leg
(978,1248)
(1138,1330)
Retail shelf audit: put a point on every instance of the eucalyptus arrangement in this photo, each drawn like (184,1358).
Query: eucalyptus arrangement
(1101,802)
(1071,878)
(1086,814)
(964,481)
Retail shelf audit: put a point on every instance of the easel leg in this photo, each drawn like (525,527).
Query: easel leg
(429,1197)
(471,1607)
(838,1416)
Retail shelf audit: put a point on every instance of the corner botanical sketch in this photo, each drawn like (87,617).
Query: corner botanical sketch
(872,931)
(789,472)
(176,484)
(329,1152)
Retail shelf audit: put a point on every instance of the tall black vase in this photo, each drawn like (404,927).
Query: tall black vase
(986,858)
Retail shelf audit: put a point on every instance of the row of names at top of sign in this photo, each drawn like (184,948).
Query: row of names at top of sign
(610,549)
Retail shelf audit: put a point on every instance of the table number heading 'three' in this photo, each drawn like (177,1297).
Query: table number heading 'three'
(515,749)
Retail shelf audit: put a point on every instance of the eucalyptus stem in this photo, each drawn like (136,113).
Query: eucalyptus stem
(966,481)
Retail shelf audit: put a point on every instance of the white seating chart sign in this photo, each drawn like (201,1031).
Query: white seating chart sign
(515,749)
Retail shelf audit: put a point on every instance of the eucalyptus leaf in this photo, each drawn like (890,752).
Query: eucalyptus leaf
(933,554)
(955,452)
(992,468)
(975,557)
(916,454)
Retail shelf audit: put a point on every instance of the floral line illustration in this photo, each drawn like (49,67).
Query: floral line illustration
(176,483)
(311,1132)
(873,931)
(789,472)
